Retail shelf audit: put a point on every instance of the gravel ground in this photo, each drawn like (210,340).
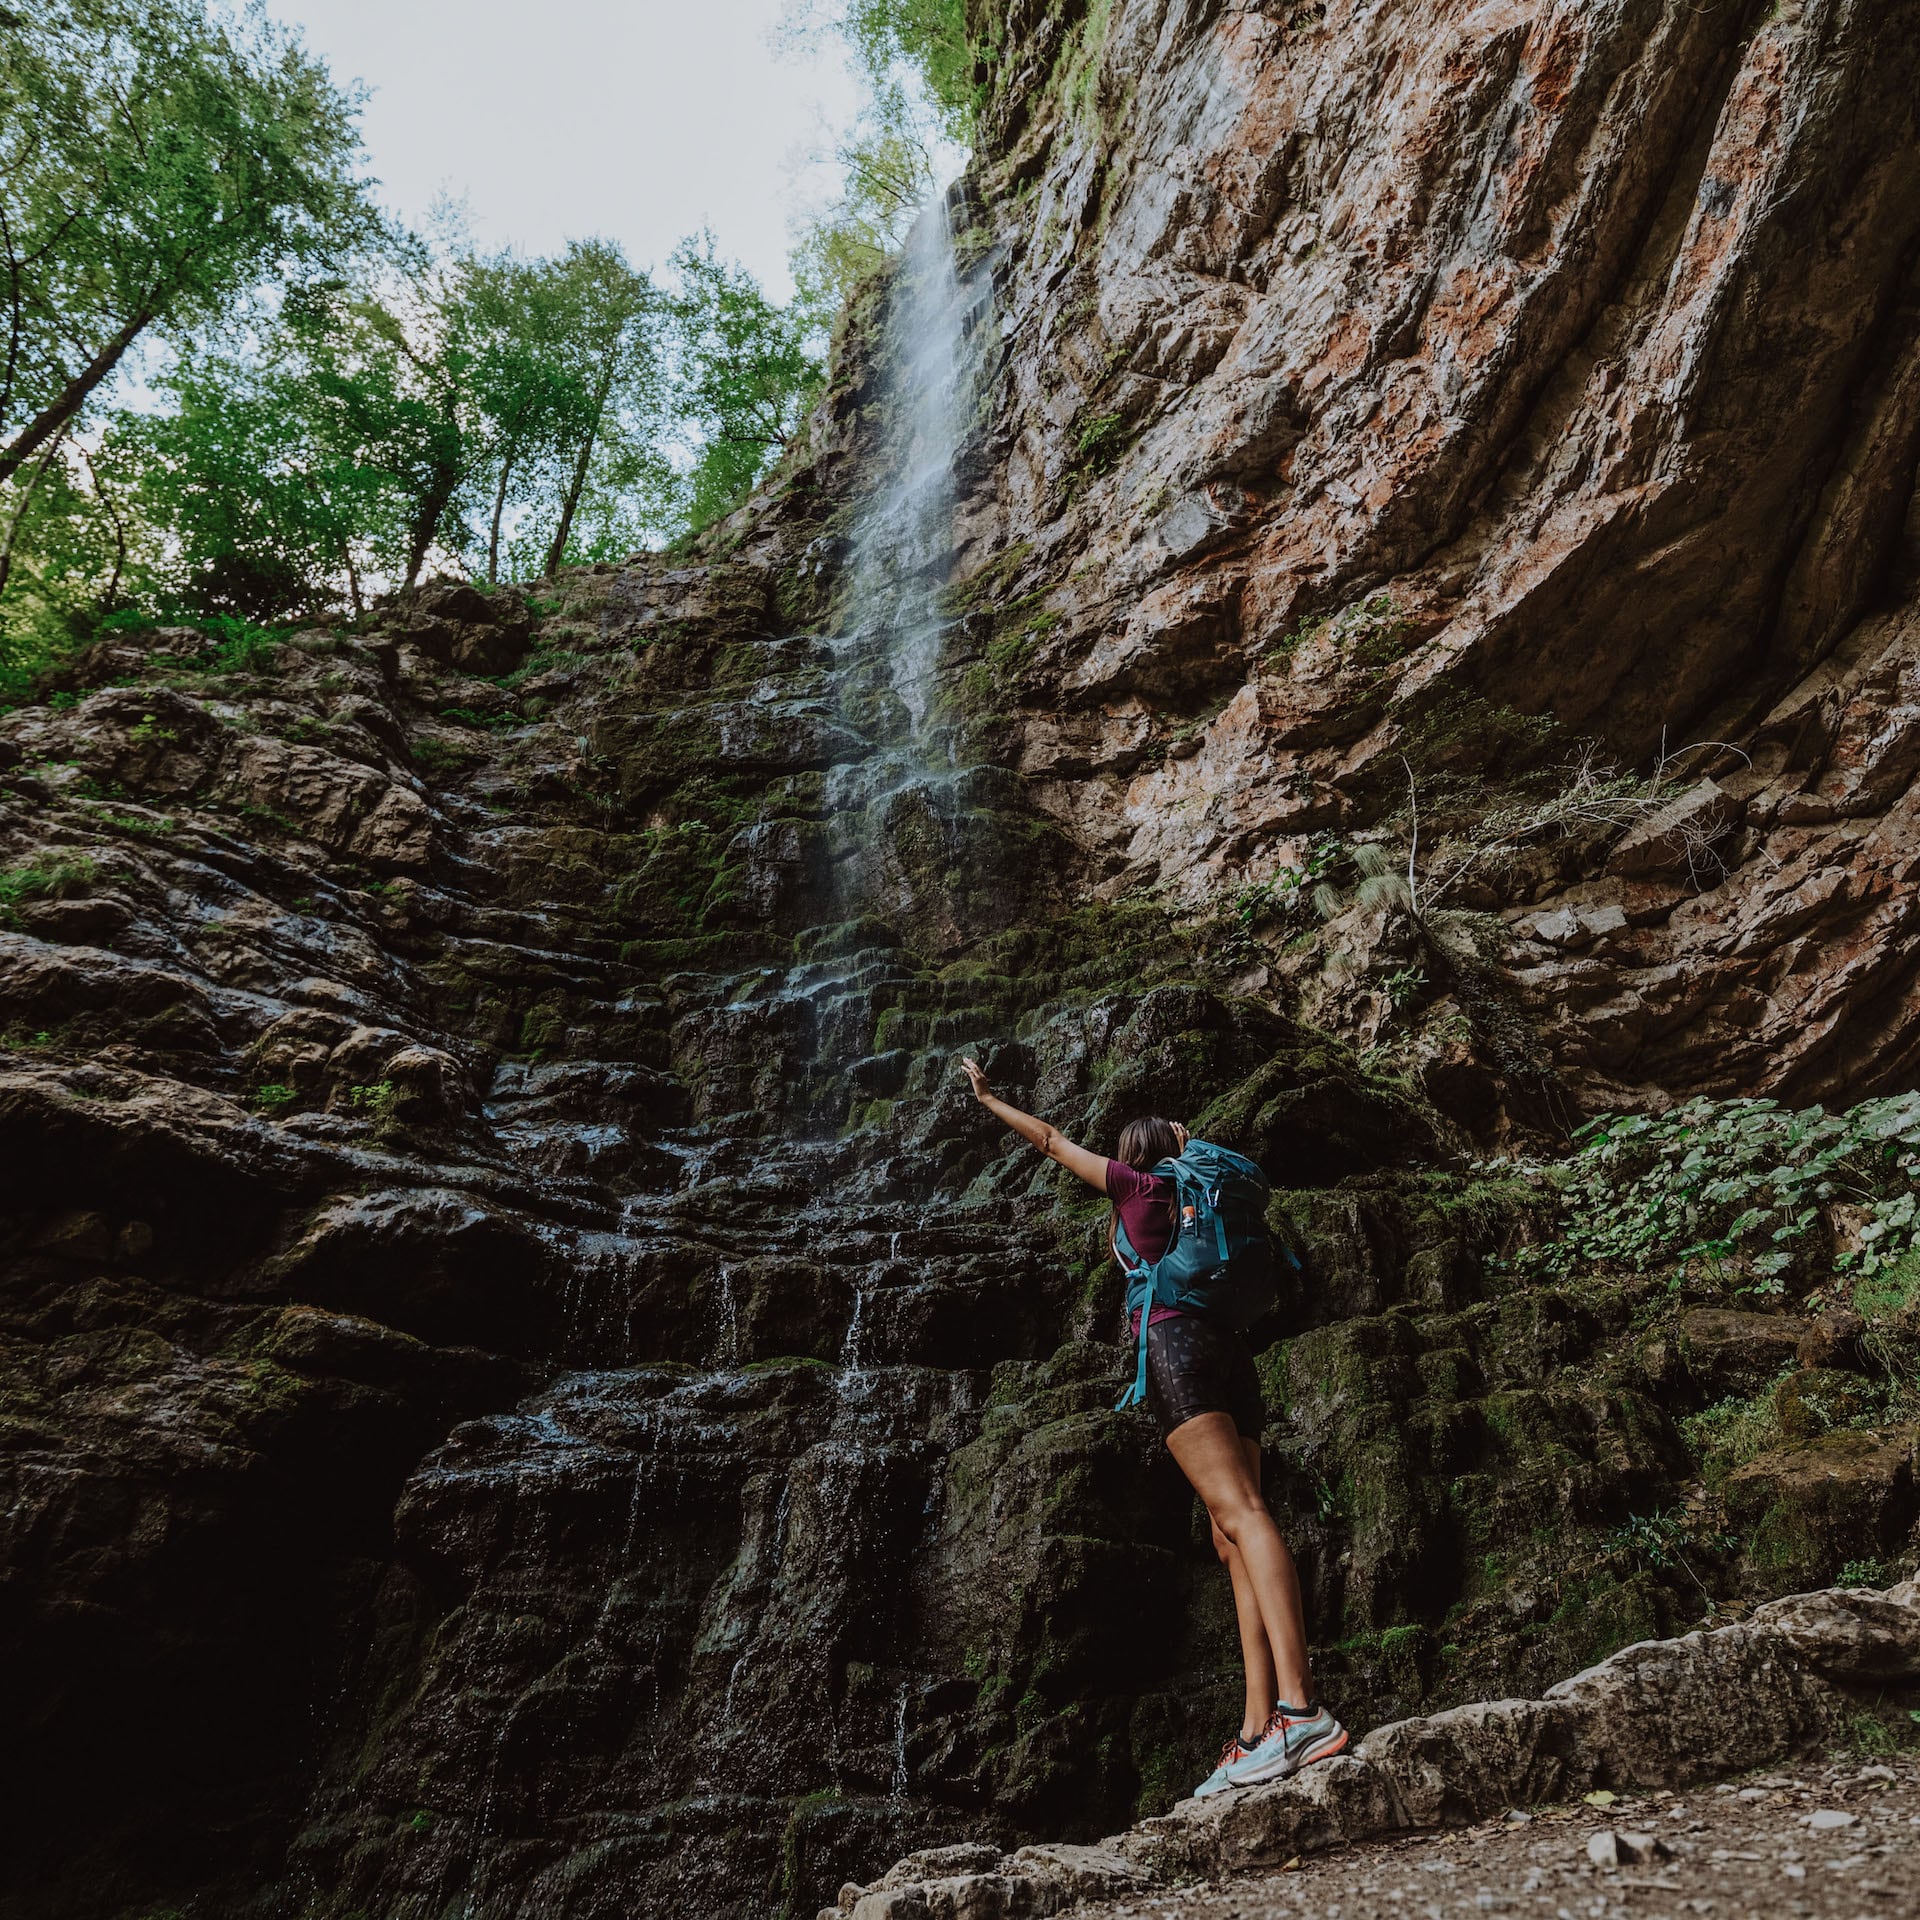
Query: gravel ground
(1834,1842)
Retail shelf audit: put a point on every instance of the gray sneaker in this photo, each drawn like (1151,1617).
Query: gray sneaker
(1291,1741)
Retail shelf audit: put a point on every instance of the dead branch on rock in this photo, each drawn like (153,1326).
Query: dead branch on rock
(1595,798)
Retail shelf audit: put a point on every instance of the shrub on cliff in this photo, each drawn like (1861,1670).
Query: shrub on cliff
(1748,1186)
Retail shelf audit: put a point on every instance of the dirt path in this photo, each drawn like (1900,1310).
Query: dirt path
(1832,1842)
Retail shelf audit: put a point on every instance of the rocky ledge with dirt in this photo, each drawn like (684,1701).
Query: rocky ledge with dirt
(1623,1741)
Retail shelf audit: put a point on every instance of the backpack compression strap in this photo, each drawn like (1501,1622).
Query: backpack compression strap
(1138,1390)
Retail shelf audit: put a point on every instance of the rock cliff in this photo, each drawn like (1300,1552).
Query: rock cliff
(528,1385)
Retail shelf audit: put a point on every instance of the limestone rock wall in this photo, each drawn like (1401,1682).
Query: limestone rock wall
(1433,396)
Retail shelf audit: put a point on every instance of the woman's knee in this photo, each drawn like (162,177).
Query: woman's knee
(1235,1516)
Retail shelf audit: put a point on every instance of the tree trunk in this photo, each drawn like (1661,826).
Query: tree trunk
(493,537)
(20,512)
(353,580)
(558,551)
(112,593)
(54,419)
(427,523)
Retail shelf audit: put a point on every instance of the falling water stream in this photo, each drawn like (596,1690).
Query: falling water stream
(903,548)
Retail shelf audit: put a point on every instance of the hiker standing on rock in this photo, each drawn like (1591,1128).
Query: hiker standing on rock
(1189,1232)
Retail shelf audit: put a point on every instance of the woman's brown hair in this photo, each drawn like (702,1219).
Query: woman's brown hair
(1144,1143)
(1147,1141)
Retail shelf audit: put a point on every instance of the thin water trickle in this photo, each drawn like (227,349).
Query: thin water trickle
(780,1515)
(729,1316)
(901,1780)
(733,1680)
(850,1346)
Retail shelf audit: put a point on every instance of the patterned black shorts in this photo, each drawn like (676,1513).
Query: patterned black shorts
(1198,1366)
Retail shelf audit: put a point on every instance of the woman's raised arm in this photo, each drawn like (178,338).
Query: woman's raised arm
(1090,1167)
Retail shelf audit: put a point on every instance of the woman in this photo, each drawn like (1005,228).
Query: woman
(1202,1389)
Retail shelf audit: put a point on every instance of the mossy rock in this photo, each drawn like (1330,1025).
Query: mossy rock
(1808,1508)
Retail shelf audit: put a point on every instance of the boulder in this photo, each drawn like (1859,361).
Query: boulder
(1811,1506)
(455,623)
(1679,837)
(1662,1713)
(1727,1351)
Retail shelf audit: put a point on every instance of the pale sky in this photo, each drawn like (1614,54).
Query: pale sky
(639,120)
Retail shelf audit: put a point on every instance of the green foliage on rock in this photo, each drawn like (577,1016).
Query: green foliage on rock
(53,877)
(1744,1182)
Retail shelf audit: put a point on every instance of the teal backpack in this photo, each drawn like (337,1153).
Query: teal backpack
(1219,1263)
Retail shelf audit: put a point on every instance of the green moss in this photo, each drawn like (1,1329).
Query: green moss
(543,1026)
(1725,1436)
(444,759)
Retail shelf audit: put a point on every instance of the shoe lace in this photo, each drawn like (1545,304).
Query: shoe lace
(1279,1718)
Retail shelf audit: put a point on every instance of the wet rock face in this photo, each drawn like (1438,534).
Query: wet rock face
(516,1357)
(529,1382)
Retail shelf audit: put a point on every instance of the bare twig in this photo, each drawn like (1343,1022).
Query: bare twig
(1413,851)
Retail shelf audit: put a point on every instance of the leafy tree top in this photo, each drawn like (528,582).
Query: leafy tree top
(156,162)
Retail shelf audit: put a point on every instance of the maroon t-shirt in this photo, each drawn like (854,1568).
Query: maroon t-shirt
(1142,1200)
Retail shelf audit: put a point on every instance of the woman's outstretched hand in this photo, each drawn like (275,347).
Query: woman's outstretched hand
(977,1078)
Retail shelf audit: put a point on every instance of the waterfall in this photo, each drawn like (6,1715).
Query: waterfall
(903,544)
(901,814)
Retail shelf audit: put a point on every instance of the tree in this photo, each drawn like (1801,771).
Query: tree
(394,367)
(746,371)
(616,316)
(924,42)
(76,546)
(267,510)
(155,165)
(887,173)
(528,396)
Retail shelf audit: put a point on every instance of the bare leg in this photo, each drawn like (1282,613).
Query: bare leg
(1256,1656)
(1210,1453)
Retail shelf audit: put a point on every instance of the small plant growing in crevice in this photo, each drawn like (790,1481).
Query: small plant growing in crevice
(443,759)
(1662,1541)
(1100,443)
(1371,633)
(1404,986)
(376,1102)
(53,878)
(1378,883)
(1283,896)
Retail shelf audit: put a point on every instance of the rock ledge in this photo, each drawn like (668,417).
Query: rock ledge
(1663,1713)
